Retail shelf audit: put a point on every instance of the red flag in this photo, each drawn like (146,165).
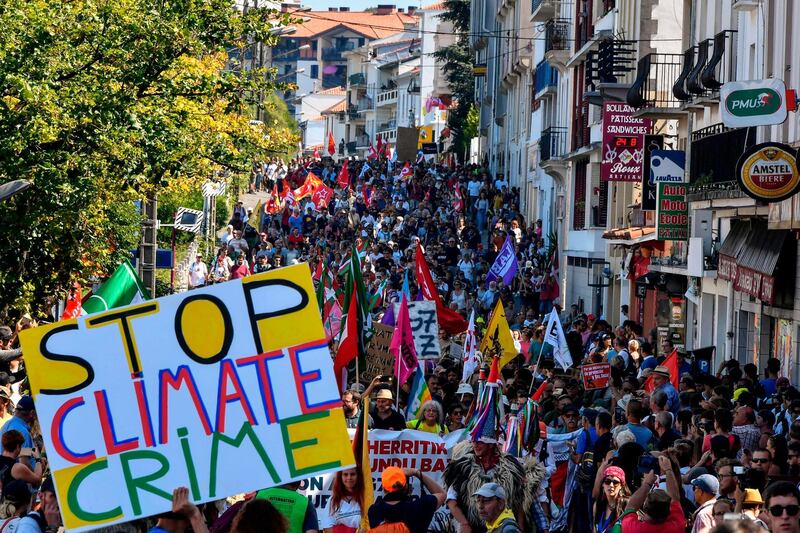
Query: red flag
(331,143)
(539,391)
(372,154)
(402,345)
(379,147)
(271,206)
(449,320)
(74,306)
(348,344)
(406,172)
(343,180)
(671,362)
(309,186)
(322,197)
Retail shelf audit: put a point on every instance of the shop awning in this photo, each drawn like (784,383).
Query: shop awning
(731,246)
(631,235)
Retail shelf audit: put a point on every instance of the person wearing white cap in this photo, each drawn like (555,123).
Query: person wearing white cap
(491,501)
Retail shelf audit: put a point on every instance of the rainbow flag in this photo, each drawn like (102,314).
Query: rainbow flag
(419,393)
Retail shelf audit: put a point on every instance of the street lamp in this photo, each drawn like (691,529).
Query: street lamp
(292,73)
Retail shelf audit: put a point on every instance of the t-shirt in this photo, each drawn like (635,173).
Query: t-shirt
(675,522)
(643,435)
(395,421)
(415,512)
(349,514)
(198,273)
(770,386)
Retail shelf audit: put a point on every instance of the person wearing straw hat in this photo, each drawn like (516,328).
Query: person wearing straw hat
(384,416)
(661,380)
(751,504)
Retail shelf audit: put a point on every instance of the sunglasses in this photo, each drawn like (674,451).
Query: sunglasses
(791,510)
(609,481)
(759,461)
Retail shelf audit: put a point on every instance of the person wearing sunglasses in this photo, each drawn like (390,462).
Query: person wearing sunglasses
(782,501)
(705,488)
(611,498)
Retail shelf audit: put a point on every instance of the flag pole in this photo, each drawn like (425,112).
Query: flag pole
(536,368)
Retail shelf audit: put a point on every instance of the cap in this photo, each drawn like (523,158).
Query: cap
(17,492)
(357,387)
(393,479)
(752,497)
(591,316)
(26,404)
(465,388)
(491,490)
(662,370)
(384,394)
(706,483)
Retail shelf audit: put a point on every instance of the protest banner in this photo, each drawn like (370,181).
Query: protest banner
(596,375)
(217,389)
(425,327)
(407,449)
(380,362)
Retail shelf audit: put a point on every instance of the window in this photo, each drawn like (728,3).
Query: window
(579,204)
(314,72)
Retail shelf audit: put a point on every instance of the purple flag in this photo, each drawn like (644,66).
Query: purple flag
(505,266)
(388,315)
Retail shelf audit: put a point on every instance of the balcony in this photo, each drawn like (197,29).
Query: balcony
(387,133)
(546,79)
(386,98)
(362,141)
(329,81)
(357,80)
(335,53)
(542,10)
(706,67)
(652,92)
(553,144)
(557,42)
(715,151)
(365,104)
(607,71)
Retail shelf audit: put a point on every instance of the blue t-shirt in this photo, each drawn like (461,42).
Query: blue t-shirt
(581,441)
(770,386)
(21,426)
(643,435)
(649,362)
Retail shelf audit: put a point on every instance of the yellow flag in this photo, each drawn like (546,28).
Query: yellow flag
(499,335)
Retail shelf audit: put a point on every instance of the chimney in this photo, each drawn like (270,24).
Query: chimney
(344,9)
(333,9)
(412,10)
(400,10)
(385,9)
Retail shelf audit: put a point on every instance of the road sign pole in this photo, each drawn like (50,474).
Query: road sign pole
(172,270)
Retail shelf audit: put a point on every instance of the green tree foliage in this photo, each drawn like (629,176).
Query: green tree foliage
(103,102)
(457,66)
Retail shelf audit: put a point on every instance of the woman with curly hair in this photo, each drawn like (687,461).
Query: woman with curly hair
(611,496)
(432,419)
(343,514)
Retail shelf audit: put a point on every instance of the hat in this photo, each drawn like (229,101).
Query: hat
(615,471)
(17,492)
(706,483)
(662,370)
(738,392)
(26,404)
(491,490)
(465,388)
(357,387)
(393,479)
(752,497)
(384,394)
(590,316)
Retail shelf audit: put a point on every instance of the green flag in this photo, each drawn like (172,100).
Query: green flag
(123,288)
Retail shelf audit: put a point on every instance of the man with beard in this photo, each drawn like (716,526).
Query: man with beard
(384,416)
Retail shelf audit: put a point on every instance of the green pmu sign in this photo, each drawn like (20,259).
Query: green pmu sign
(753,103)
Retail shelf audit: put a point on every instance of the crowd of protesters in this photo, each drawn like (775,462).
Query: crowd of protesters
(720,452)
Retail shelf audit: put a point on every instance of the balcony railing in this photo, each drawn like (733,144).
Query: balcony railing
(556,35)
(387,97)
(553,143)
(329,81)
(693,83)
(715,151)
(541,10)
(655,75)
(335,53)
(581,131)
(365,104)
(721,67)
(357,79)
(546,76)
(362,141)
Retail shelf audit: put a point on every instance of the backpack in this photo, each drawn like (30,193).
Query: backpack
(586,471)
(390,527)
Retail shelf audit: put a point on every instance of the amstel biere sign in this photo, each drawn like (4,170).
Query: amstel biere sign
(768,172)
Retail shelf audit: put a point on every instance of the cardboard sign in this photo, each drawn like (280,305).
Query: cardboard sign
(380,362)
(407,449)
(596,376)
(187,390)
(672,212)
(623,143)
(425,327)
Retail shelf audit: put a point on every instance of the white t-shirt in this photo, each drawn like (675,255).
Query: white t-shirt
(349,514)
(474,188)
(197,274)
